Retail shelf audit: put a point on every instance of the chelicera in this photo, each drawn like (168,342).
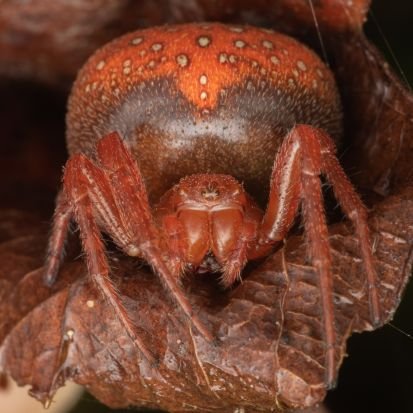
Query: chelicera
(163,126)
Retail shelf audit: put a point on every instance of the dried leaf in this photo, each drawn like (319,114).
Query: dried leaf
(271,336)
(49,41)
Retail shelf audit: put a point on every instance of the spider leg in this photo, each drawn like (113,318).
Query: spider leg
(236,258)
(354,208)
(305,154)
(56,243)
(143,238)
(79,172)
(234,264)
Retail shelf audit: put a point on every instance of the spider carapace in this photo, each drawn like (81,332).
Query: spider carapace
(163,126)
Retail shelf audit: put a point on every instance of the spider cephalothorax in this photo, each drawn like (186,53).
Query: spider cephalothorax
(188,112)
(209,221)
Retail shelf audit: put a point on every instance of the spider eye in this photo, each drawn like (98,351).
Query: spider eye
(210,193)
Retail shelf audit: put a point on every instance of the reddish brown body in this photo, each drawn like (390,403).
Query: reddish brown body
(178,116)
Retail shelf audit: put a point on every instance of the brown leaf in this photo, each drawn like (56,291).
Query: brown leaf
(49,41)
(271,348)
(271,337)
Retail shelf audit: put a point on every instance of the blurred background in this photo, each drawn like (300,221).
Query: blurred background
(377,376)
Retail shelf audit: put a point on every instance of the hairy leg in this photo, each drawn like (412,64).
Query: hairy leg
(119,197)
(354,208)
(305,154)
(56,243)
(237,257)
(77,190)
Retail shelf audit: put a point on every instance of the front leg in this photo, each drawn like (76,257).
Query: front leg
(141,236)
(78,192)
(305,154)
(121,201)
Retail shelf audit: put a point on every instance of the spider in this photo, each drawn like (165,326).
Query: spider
(163,124)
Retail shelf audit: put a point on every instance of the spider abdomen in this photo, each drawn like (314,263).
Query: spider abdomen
(201,98)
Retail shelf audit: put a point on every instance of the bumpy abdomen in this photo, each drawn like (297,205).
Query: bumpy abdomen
(201,98)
